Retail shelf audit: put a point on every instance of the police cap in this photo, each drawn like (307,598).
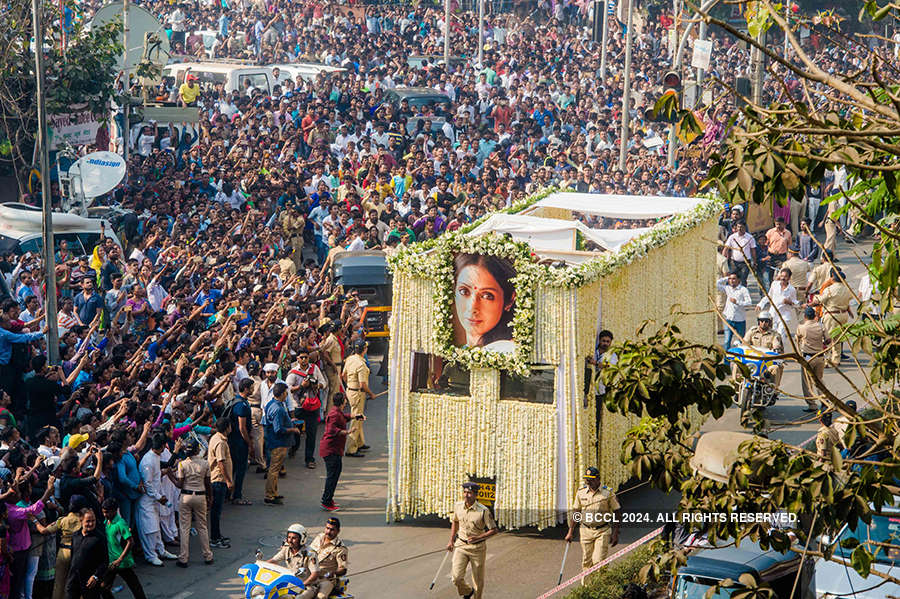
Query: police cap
(591,472)
(471,486)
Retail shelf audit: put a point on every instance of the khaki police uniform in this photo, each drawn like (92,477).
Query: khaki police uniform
(820,274)
(812,339)
(294,561)
(835,300)
(331,557)
(826,438)
(831,228)
(293,225)
(193,472)
(799,274)
(595,536)
(471,521)
(770,340)
(332,348)
(257,430)
(356,373)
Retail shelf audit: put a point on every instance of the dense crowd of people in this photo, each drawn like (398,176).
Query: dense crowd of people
(214,339)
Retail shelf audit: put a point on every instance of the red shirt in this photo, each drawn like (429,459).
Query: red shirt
(333,439)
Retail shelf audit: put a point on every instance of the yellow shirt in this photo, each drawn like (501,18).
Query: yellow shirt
(188,94)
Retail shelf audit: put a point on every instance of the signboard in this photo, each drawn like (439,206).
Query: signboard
(702,52)
(76,128)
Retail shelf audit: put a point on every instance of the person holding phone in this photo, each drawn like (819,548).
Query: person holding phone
(331,447)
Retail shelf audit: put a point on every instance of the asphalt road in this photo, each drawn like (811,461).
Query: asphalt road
(400,559)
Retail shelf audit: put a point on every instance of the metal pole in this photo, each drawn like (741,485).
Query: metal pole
(787,23)
(446,36)
(700,72)
(480,34)
(604,40)
(626,95)
(126,130)
(757,66)
(46,209)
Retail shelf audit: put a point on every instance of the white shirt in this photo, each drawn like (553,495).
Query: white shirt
(741,243)
(357,245)
(734,310)
(266,395)
(150,475)
(779,295)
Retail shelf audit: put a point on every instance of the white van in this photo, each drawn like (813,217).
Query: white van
(305,70)
(20,230)
(234,76)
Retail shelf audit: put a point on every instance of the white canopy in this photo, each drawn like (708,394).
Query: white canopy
(616,206)
(549,235)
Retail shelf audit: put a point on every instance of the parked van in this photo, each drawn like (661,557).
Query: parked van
(708,567)
(305,70)
(20,230)
(416,96)
(234,76)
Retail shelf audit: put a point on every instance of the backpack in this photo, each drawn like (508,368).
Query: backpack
(228,412)
(310,401)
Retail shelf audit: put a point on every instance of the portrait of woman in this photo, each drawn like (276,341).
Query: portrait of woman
(484,299)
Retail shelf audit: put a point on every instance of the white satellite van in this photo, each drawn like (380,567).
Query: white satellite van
(20,230)
(234,76)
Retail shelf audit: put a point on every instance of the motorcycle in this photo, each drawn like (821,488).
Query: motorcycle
(264,580)
(759,390)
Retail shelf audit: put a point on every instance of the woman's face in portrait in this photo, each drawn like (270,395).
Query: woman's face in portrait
(479,302)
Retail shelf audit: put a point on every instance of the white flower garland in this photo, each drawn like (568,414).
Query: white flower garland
(433,260)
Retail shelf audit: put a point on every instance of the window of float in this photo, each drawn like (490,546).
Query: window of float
(538,387)
(432,374)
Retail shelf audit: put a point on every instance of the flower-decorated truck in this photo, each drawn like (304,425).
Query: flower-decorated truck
(492,330)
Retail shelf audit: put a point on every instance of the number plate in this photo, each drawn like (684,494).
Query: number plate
(487,494)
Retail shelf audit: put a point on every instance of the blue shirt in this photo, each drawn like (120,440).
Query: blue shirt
(128,477)
(7,338)
(213,295)
(87,308)
(278,421)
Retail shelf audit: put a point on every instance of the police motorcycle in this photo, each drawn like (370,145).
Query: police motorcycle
(759,390)
(265,580)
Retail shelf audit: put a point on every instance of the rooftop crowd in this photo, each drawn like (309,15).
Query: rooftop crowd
(220,302)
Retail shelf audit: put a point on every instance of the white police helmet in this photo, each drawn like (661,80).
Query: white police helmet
(764,315)
(299,530)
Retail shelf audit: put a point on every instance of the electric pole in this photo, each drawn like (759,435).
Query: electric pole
(37,20)
(626,95)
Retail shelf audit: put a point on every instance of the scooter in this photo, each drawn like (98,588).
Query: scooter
(759,390)
(264,580)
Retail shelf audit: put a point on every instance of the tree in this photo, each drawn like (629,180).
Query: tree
(816,121)
(80,67)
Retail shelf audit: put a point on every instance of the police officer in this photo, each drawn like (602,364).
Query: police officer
(356,378)
(812,339)
(332,556)
(471,524)
(835,302)
(800,270)
(598,515)
(332,359)
(192,475)
(296,557)
(763,336)
(826,436)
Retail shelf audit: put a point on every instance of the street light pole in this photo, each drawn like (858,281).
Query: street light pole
(126,129)
(626,95)
(480,34)
(446,36)
(46,208)
(604,37)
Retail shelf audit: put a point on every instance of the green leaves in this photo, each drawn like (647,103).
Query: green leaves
(861,560)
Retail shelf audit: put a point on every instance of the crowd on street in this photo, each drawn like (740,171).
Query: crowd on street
(213,344)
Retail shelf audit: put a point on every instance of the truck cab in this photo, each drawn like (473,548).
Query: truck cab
(366,272)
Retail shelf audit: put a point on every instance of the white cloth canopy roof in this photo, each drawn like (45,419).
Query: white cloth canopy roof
(616,206)
(552,234)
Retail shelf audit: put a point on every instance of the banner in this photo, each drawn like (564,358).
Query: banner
(77,128)
(702,51)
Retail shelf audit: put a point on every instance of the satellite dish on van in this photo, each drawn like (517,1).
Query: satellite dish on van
(140,23)
(97,173)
